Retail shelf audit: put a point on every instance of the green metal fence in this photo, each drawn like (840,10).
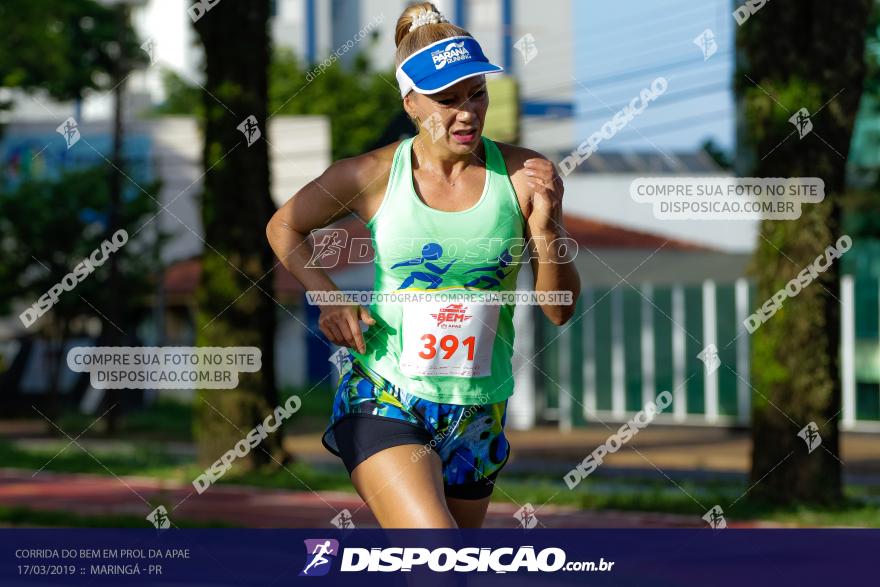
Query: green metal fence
(627,344)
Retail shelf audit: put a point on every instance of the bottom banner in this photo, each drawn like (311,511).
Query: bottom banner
(656,557)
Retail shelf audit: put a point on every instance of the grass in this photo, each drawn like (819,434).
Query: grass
(316,403)
(644,495)
(144,460)
(296,477)
(151,461)
(169,419)
(22,516)
(859,508)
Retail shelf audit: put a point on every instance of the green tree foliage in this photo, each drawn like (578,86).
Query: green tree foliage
(49,225)
(181,97)
(718,154)
(808,55)
(358,101)
(236,301)
(64,46)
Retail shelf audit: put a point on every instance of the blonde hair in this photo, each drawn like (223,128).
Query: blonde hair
(408,42)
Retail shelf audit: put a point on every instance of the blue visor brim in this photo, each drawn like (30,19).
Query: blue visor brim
(454,74)
(442,64)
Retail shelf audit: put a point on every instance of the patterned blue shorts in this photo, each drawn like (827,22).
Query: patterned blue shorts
(371,414)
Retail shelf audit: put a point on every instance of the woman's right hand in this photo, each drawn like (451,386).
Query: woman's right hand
(341,327)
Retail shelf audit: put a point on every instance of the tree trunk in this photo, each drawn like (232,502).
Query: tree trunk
(114,308)
(58,361)
(235,300)
(809,55)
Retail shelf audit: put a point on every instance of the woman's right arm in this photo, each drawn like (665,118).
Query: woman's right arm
(322,201)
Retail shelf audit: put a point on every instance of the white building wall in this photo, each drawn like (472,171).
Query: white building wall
(605,197)
(289,26)
(380,52)
(300,152)
(174,44)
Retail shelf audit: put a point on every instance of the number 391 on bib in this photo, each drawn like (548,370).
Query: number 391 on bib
(448,339)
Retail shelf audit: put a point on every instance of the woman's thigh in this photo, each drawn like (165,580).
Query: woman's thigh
(403,492)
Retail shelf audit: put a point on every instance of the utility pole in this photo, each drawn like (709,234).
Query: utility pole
(110,333)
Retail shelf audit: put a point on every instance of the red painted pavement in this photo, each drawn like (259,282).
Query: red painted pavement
(268,508)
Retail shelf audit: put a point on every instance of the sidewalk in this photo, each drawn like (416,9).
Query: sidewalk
(259,508)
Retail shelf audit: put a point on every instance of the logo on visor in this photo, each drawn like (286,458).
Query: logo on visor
(452,53)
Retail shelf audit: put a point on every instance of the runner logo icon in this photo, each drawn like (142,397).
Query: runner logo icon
(319,554)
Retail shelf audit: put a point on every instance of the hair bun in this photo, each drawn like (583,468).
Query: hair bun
(426,17)
(419,25)
(416,16)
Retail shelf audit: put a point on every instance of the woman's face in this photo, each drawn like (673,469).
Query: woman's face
(453,117)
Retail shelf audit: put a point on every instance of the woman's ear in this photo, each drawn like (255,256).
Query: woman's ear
(409,106)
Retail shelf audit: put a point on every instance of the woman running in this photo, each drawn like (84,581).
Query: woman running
(418,420)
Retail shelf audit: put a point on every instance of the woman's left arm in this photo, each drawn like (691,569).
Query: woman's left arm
(554,267)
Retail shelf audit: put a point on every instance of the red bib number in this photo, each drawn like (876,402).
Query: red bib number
(451,339)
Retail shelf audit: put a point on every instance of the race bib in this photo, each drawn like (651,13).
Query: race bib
(449,339)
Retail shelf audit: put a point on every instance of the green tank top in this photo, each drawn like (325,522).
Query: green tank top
(456,353)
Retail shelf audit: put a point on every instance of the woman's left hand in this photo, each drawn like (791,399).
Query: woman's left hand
(546,214)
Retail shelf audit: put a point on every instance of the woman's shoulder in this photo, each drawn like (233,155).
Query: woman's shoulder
(515,156)
(514,159)
(366,176)
(368,168)
(380,155)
